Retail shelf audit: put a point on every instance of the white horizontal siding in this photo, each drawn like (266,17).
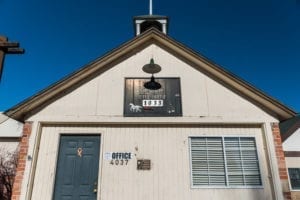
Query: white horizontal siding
(292,162)
(168,149)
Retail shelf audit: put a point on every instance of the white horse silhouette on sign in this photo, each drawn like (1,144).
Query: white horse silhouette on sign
(135,108)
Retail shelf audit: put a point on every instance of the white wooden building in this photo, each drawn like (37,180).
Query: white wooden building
(83,140)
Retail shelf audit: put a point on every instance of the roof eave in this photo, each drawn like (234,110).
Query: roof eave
(21,110)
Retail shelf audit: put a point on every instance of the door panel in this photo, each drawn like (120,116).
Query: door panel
(77,168)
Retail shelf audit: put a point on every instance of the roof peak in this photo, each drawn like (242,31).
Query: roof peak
(25,109)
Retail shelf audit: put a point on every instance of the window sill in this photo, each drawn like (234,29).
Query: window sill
(228,187)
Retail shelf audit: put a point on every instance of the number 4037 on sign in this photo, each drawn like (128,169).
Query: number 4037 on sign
(119,162)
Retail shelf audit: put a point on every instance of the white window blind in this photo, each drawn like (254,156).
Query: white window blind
(224,161)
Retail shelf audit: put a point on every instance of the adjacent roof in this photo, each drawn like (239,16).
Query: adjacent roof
(288,127)
(10,128)
(28,107)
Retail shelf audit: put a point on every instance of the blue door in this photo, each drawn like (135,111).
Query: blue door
(77,168)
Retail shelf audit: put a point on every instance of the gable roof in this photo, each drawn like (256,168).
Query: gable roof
(288,127)
(26,108)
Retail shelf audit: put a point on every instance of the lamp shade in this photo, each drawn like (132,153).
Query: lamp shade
(151,68)
(152,84)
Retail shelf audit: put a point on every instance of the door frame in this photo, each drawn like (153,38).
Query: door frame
(63,129)
(99,163)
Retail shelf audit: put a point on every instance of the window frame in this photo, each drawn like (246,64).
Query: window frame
(192,186)
(290,184)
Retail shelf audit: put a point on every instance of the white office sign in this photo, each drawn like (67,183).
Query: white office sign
(118,158)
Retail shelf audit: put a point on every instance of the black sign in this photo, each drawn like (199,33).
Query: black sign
(142,102)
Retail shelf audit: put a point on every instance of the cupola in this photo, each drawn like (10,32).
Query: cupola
(144,22)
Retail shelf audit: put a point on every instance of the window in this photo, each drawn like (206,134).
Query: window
(224,161)
(294,174)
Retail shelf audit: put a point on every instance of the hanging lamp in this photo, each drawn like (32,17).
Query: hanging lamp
(152,68)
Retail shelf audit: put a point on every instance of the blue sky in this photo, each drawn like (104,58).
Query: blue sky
(258,40)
